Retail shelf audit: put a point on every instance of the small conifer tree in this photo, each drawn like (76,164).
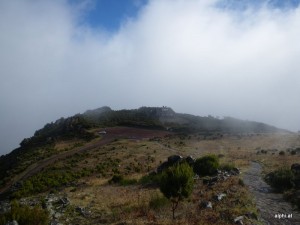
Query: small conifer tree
(177,183)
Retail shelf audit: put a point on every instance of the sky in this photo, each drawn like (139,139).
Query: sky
(203,57)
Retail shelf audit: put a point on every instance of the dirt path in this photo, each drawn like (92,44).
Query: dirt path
(269,203)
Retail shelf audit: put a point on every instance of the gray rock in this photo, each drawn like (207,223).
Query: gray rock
(83,211)
(12,223)
(57,215)
(54,222)
(206,204)
(239,220)
(219,197)
(64,201)
(4,206)
(51,212)
(51,198)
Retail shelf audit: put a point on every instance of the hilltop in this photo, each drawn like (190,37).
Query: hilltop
(166,118)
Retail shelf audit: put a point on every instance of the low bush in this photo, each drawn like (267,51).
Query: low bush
(281,179)
(281,153)
(119,179)
(116,179)
(293,152)
(48,179)
(126,182)
(25,215)
(206,165)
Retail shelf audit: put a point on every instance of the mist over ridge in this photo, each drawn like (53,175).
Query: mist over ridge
(196,56)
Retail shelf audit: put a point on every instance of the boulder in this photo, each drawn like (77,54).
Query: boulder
(174,159)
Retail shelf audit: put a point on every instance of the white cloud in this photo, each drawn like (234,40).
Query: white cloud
(189,55)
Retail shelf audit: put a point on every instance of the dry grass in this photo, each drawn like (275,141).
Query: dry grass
(113,204)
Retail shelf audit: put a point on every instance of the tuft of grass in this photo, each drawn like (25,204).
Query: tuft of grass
(158,201)
(227,166)
(150,179)
(119,179)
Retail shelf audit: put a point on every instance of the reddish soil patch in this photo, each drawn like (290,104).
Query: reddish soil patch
(134,133)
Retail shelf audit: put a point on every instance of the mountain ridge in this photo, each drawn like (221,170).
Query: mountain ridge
(81,129)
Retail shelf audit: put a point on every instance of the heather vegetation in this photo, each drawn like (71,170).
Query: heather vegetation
(287,181)
(206,165)
(25,215)
(281,179)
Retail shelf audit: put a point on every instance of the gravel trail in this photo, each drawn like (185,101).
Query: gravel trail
(271,205)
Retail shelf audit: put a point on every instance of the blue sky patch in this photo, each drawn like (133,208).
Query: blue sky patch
(109,14)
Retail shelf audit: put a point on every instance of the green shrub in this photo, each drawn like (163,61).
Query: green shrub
(50,178)
(293,152)
(281,153)
(281,179)
(116,179)
(177,183)
(119,179)
(25,215)
(126,182)
(206,165)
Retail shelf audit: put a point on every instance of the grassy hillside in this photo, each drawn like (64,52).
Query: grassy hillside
(78,129)
(108,174)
